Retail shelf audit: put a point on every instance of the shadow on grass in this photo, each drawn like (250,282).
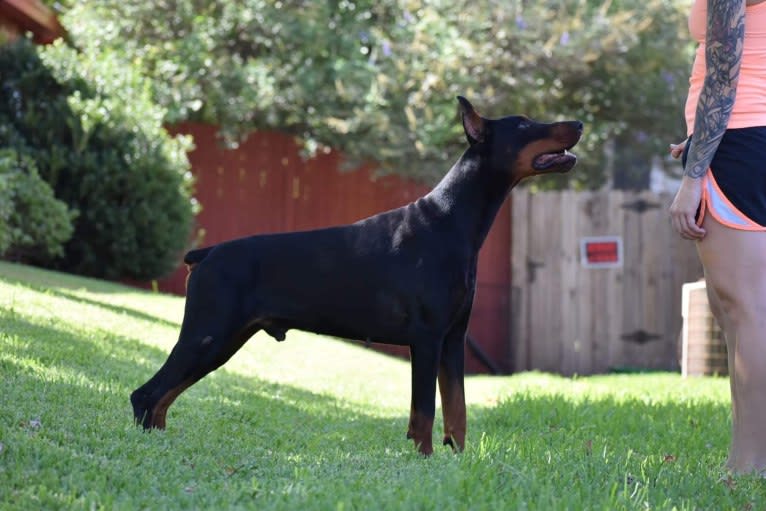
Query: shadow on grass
(62,370)
(118,309)
(68,292)
(33,276)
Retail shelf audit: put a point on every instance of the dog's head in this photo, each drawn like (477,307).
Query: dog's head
(520,146)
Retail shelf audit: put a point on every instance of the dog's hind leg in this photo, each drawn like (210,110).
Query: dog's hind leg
(213,329)
(451,385)
(424,358)
(185,365)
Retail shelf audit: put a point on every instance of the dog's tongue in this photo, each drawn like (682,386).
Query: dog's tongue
(550,160)
(546,160)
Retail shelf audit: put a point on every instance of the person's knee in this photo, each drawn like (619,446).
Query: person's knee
(715,304)
(737,305)
(724,300)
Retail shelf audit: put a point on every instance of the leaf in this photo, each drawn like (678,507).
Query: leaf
(728,481)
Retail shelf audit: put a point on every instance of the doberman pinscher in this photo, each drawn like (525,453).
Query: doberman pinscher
(405,276)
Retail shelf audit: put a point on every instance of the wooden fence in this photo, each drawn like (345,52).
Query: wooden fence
(569,318)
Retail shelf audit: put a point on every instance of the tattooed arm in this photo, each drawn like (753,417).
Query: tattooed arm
(723,54)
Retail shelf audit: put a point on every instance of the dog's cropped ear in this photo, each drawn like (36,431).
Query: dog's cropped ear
(473,124)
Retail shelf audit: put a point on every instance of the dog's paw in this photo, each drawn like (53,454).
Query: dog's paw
(425,449)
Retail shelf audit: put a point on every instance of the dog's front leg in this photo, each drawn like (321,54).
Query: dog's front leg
(424,358)
(451,387)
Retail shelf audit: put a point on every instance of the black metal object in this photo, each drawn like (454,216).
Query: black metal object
(481,355)
(640,205)
(640,337)
(532,267)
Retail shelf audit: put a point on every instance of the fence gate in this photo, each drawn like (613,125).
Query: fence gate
(618,314)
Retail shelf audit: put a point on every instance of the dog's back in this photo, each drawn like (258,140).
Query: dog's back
(386,278)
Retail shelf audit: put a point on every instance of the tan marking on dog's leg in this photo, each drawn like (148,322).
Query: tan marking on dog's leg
(422,430)
(453,411)
(160,410)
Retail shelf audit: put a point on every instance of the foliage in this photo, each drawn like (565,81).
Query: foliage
(89,124)
(378,79)
(34,225)
(316,423)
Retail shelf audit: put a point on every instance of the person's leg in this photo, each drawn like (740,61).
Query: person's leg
(735,272)
(718,312)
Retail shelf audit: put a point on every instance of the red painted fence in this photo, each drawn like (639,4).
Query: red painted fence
(265,186)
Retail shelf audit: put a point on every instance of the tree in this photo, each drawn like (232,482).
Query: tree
(378,79)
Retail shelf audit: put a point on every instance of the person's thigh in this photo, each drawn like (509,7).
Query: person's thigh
(735,266)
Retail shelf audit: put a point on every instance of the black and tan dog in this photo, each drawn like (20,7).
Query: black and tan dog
(405,276)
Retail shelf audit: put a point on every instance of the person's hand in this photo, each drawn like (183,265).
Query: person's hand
(683,210)
(676,150)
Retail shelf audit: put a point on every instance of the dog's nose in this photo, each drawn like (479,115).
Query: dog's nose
(578,126)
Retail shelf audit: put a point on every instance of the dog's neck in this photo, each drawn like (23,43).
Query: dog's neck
(471,194)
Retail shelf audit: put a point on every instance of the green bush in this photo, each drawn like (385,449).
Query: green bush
(89,123)
(34,225)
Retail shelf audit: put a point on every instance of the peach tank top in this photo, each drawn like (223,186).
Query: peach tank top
(750,102)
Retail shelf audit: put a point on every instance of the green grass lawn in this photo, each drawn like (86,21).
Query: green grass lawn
(317,423)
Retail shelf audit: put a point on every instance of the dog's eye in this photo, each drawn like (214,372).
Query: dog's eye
(523,125)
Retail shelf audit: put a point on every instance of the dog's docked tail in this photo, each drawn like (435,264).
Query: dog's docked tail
(193,258)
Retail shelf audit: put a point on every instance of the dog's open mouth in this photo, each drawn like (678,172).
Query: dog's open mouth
(559,161)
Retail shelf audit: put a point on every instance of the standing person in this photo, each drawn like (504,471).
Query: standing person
(721,202)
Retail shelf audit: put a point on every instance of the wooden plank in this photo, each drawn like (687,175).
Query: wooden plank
(587,219)
(536,248)
(519,280)
(597,312)
(550,272)
(544,313)
(594,221)
(628,354)
(615,281)
(573,346)
(656,306)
